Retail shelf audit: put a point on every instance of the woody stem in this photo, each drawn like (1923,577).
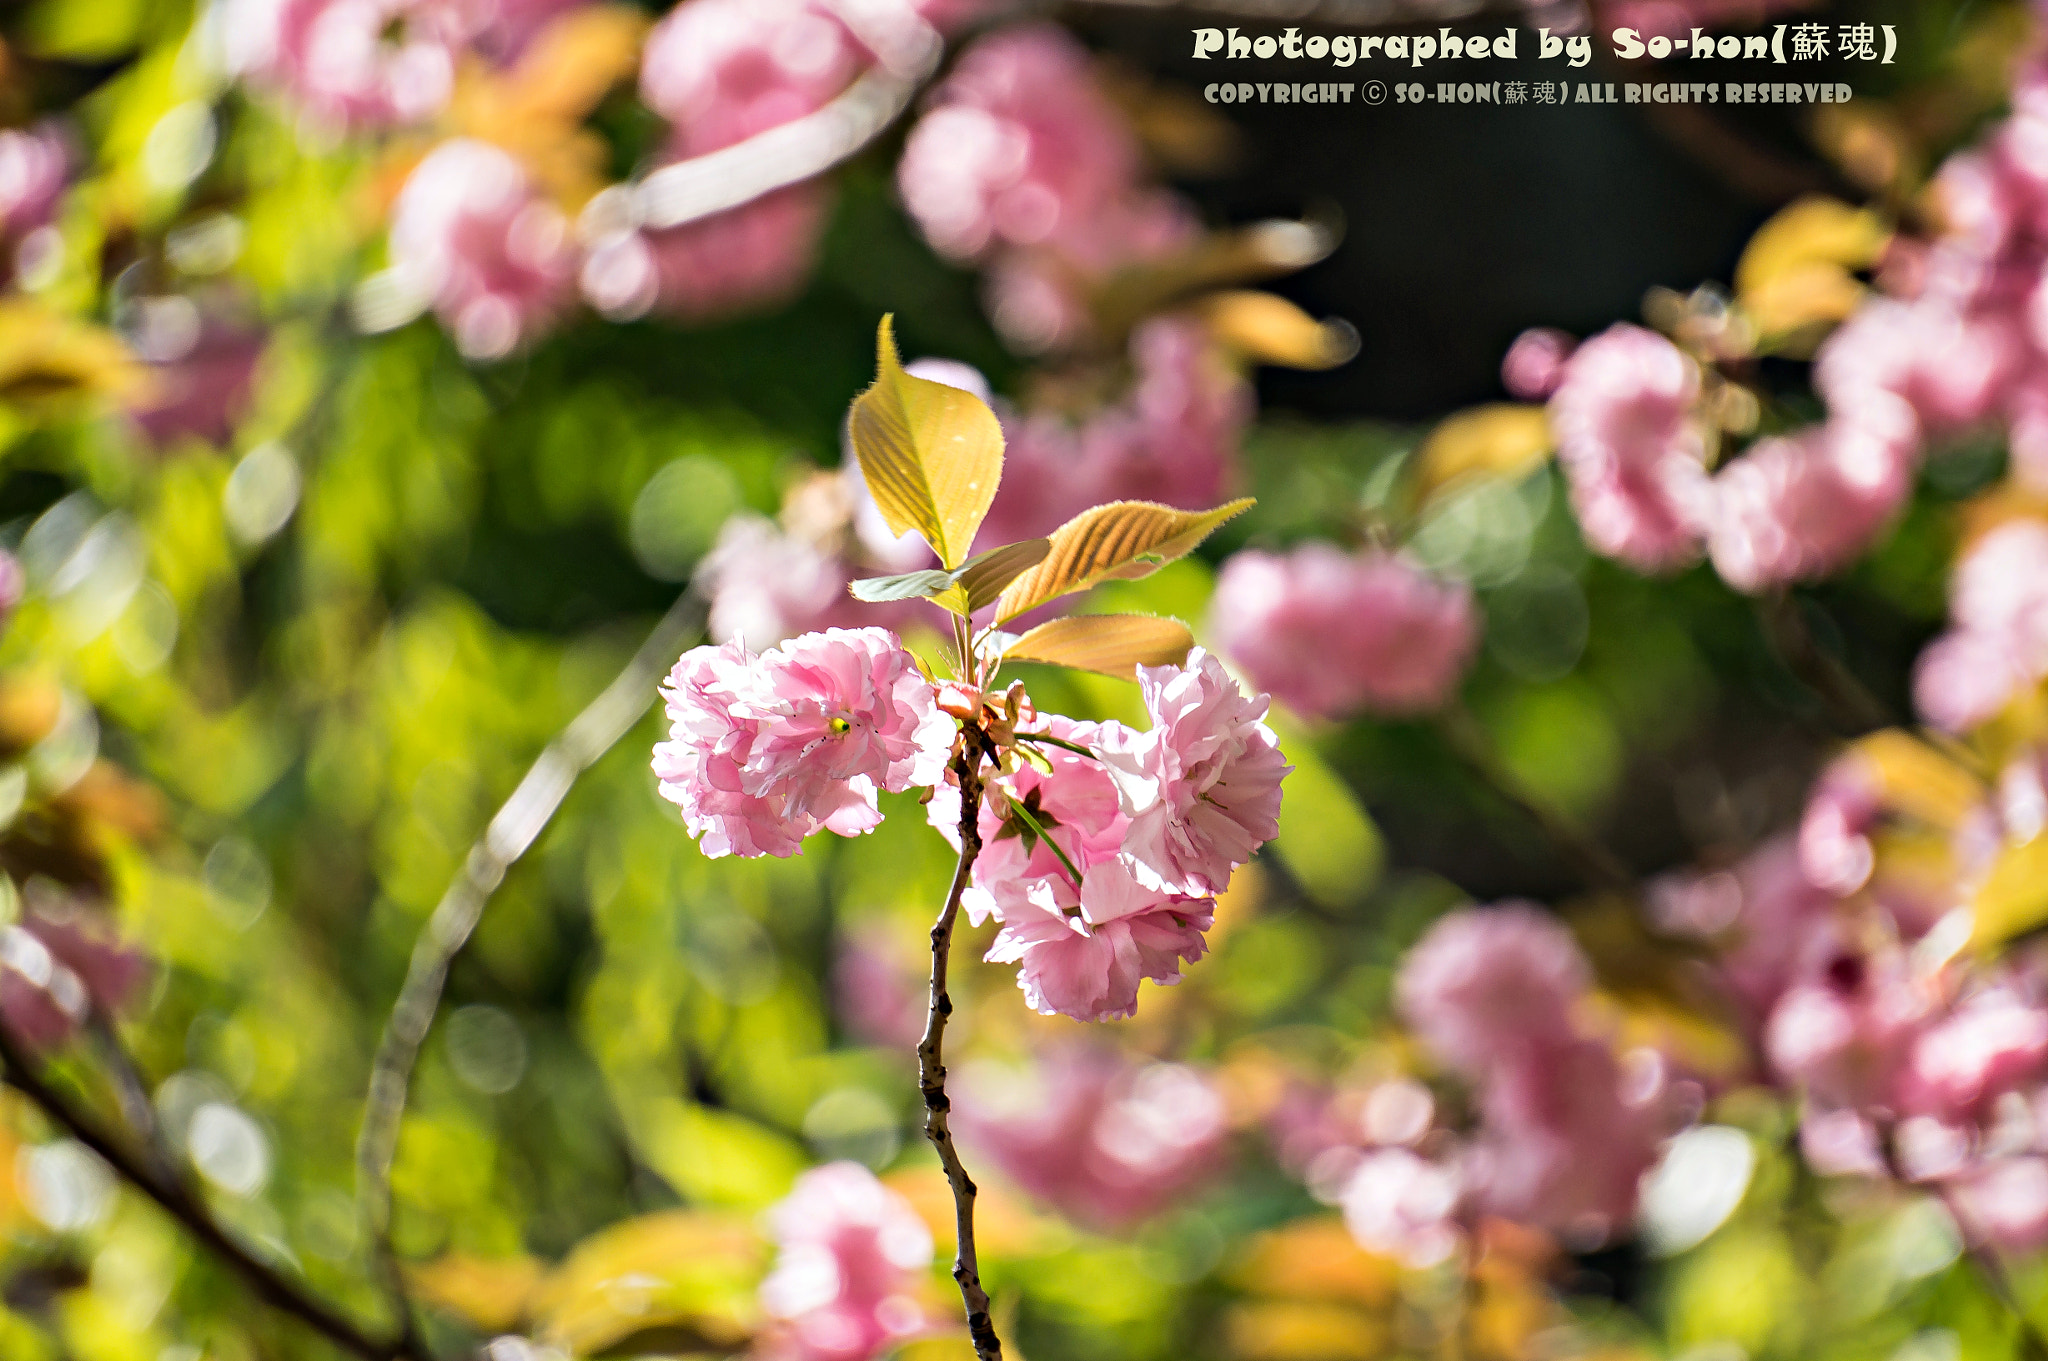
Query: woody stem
(931,1067)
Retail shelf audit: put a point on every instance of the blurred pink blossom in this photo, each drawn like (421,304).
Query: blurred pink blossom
(1534,364)
(1844,1030)
(1486,981)
(1105,1141)
(1332,633)
(845,1282)
(55,972)
(1202,785)
(35,162)
(1998,639)
(1632,448)
(1994,1042)
(202,380)
(1763,913)
(2004,1203)
(1172,438)
(348,64)
(1022,161)
(1800,507)
(763,751)
(766,584)
(878,1001)
(1405,1206)
(494,258)
(753,256)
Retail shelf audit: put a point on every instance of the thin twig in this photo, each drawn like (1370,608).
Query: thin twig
(1850,705)
(510,833)
(931,1067)
(282,1293)
(1596,866)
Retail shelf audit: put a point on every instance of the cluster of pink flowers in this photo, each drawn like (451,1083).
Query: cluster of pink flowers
(846,1282)
(1024,165)
(1566,1127)
(1106,1141)
(1335,634)
(1997,645)
(1914,1063)
(1154,823)
(766,749)
(56,972)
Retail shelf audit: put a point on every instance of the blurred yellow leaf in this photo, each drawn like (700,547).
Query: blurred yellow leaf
(1504,440)
(1303,1330)
(1117,541)
(494,1293)
(718,1157)
(1795,274)
(1109,644)
(931,454)
(687,1276)
(2013,899)
(1316,1259)
(1268,329)
(46,356)
(1916,779)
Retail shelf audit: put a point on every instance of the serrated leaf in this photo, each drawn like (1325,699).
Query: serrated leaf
(1111,644)
(908,586)
(987,575)
(1122,540)
(931,454)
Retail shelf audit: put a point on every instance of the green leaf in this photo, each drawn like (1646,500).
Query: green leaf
(1122,540)
(932,455)
(1112,644)
(908,586)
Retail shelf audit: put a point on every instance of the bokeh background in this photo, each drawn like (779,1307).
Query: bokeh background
(378,376)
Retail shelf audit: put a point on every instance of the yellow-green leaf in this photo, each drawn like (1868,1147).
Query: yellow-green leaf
(931,454)
(2013,899)
(986,577)
(1122,540)
(1112,644)
(1501,440)
(1268,329)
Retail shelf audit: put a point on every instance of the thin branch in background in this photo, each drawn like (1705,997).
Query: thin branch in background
(1598,868)
(931,1065)
(281,1292)
(1850,705)
(509,835)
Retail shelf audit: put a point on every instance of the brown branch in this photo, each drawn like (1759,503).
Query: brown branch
(507,837)
(1598,868)
(931,1067)
(280,1292)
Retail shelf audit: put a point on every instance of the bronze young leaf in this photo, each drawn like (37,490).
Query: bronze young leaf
(1123,539)
(1112,644)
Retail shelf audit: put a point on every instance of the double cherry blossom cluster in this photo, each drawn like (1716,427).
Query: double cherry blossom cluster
(1102,848)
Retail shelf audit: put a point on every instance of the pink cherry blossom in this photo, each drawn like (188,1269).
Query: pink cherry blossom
(1632,448)
(845,1282)
(494,258)
(746,258)
(1333,633)
(1202,786)
(1086,964)
(1998,641)
(1534,364)
(1486,981)
(879,1001)
(1405,1206)
(765,750)
(201,383)
(1764,913)
(348,64)
(1107,1142)
(2003,1203)
(1801,507)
